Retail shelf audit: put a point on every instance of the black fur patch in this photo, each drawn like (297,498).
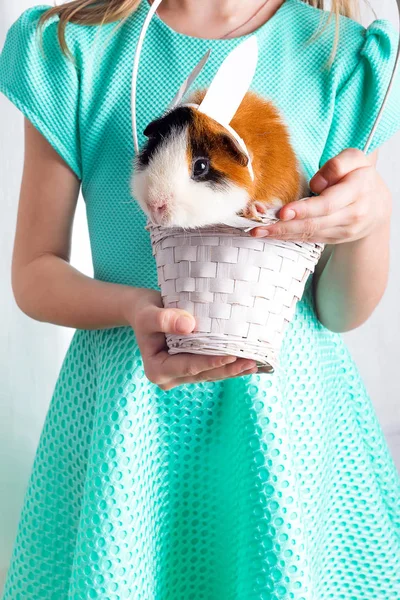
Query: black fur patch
(215,179)
(159,131)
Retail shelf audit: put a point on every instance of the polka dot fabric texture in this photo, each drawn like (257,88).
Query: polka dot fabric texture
(264,487)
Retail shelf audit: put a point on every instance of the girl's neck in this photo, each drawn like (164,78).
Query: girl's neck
(210,19)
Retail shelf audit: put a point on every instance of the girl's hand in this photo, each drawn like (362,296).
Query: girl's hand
(150,321)
(353,201)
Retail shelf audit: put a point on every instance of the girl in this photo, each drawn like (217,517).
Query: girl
(195,477)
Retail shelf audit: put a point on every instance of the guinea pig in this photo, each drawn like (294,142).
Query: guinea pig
(191,172)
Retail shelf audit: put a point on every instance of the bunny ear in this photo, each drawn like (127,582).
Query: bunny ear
(231,82)
(186,84)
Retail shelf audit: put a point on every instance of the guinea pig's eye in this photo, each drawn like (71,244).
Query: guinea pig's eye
(200,167)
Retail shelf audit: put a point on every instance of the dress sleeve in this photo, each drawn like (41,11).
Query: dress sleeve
(43,83)
(360,97)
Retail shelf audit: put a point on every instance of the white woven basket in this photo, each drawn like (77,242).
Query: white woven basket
(241,290)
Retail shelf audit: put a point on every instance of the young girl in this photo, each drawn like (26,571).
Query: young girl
(195,477)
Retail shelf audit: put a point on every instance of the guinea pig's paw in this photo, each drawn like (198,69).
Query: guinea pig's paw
(261,208)
(254,211)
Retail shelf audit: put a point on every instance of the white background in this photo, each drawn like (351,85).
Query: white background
(31,352)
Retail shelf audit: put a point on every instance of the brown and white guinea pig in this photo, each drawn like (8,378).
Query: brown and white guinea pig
(191,172)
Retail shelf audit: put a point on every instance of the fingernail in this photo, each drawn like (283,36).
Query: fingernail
(319,183)
(262,233)
(183,324)
(289,214)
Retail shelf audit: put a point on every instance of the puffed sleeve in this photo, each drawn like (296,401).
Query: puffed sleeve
(359,98)
(43,83)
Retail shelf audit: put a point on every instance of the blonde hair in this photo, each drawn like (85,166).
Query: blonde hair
(100,12)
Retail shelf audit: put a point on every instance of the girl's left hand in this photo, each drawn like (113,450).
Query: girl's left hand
(353,201)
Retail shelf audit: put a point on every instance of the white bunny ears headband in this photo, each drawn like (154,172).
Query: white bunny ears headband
(226,91)
(229,85)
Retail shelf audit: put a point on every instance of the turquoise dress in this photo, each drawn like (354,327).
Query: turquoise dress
(263,487)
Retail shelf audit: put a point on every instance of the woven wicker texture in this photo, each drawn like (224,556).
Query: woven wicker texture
(264,487)
(242,290)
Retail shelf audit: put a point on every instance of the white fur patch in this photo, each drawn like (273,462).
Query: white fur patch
(190,203)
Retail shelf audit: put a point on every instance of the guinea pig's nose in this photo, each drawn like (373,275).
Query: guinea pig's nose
(158,208)
(158,204)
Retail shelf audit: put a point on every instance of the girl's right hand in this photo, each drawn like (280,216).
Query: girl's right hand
(150,322)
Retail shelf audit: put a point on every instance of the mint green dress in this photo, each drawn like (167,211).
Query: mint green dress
(263,487)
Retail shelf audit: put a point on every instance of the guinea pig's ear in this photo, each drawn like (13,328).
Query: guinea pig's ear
(152,128)
(230,144)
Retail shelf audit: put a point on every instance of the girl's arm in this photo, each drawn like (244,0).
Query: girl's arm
(353,281)
(350,285)
(352,216)
(45,286)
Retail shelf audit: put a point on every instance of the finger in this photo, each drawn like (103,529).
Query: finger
(214,375)
(247,372)
(336,201)
(327,236)
(338,235)
(329,202)
(241,374)
(338,167)
(166,320)
(334,235)
(304,229)
(165,367)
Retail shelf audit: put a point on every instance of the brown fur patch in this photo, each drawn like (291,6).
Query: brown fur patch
(259,124)
(207,133)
